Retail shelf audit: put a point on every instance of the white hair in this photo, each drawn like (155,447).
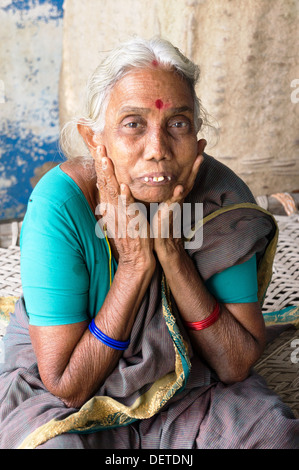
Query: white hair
(136,53)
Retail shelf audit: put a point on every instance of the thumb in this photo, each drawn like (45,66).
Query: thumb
(201,145)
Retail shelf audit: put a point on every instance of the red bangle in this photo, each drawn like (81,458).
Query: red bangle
(201,325)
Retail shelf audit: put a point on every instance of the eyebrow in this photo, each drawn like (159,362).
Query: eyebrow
(136,109)
(133,109)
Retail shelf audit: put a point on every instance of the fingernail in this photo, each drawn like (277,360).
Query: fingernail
(104,163)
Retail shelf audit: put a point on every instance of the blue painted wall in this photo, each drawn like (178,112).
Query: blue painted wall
(30,60)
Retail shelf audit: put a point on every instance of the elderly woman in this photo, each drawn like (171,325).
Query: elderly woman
(133,339)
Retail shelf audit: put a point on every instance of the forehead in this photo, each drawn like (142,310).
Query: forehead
(147,87)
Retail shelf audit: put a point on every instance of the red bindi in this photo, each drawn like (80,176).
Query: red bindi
(159,104)
(155,63)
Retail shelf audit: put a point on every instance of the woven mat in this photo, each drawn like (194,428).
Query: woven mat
(279,365)
(284,287)
(10,278)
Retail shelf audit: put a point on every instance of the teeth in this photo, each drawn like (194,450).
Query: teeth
(156,179)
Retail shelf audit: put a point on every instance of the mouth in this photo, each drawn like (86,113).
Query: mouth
(156,179)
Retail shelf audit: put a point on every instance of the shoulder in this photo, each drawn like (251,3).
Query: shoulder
(56,207)
(56,187)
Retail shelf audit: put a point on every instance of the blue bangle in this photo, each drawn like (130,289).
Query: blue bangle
(112,343)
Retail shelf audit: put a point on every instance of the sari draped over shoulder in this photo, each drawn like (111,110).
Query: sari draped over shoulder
(159,371)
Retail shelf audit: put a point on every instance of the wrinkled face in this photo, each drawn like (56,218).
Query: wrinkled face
(150,133)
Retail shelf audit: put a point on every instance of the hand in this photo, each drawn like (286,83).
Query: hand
(130,234)
(166,222)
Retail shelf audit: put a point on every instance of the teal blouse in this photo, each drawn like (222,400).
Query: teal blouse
(65,264)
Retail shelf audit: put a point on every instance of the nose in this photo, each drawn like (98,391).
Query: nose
(156,147)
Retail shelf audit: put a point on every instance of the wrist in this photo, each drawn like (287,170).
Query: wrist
(137,268)
(170,249)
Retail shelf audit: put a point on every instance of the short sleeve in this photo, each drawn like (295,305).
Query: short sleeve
(54,276)
(236,284)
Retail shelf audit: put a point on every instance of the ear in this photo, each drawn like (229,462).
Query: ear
(198,125)
(89,138)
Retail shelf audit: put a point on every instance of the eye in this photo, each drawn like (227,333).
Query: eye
(132,125)
(179,124)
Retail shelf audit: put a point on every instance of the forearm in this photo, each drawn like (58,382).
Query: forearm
(91,361)
(227,345)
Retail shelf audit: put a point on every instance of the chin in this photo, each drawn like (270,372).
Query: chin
(152,195)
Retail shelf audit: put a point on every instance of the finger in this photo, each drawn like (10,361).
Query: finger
(193,174)
(107,181)
(126,195)
(180,191)
(99,155)
(177,193)
(198,161)
(101,180)
(201,145)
